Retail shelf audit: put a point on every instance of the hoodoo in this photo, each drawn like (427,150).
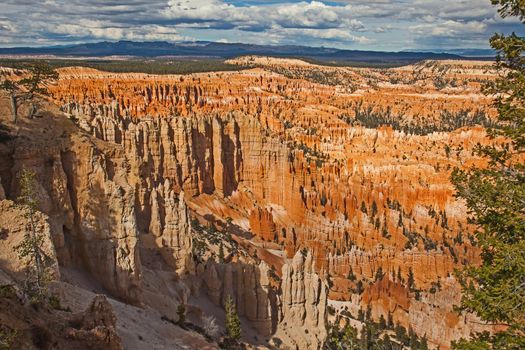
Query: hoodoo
(201,195)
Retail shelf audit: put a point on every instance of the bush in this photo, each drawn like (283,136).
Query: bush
(211,329)
(7,337)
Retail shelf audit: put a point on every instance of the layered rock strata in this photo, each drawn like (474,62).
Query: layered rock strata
(359,176)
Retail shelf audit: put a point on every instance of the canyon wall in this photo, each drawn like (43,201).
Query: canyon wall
(285,159)
(248,285)
(83,189)
(102,204)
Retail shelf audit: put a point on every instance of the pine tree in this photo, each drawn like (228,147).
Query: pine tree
(363,207)
(359,287)
(495,197)
(382,322)
(379,274)
(233,324)
(374,208)
(181,313)
(413,343)
(401,334)
(351,275)
(349,339)
(368,315)
(411,282)
(424,343)
(30,249)
(345,339)
(360,315)
(221,253)
(387,343)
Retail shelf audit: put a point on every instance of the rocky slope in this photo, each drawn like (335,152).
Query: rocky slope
(88,216)
(135,246)
(351,165)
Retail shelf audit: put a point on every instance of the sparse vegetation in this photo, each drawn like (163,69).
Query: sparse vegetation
(150,66)
(495,197)
(30,250)
(210,327)
(8,337)
(381,335)
(233,324)
(40,74)
(372,116)
(21,90)
(207,239)
(54,302)
(181,314)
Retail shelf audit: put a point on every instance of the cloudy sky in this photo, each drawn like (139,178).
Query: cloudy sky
(355,24)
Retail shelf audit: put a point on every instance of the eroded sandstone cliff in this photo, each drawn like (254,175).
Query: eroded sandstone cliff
(284,161)
(303,303)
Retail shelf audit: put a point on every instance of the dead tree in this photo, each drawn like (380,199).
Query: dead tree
(39,74)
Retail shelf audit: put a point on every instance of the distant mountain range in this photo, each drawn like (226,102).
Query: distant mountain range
(479,53)
(228,50)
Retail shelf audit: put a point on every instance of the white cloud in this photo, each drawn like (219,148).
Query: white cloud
(304,14)
(306,34)
(376,24)
(449,28)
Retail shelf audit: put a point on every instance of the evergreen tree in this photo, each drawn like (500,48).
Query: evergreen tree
(382,322)
(401,334)
(351,275)
(424,343)
(411,282)
(345,339)
(379,274)
(221,253)
(414,342)
(360,315)
(349,338)
(181,313)
(233,324)
(374,208)
(368,315)
(363,207)
(30,249)
(359,287)
(495,197)
(364,337)
(387,343)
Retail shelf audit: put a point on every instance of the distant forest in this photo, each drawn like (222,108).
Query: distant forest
(150,66)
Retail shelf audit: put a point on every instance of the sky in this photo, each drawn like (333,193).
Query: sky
(390,25)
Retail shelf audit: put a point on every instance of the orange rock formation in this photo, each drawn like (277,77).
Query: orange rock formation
(351,164)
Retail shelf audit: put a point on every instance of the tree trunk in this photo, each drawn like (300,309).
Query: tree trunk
(13,107)
(32,111)
(39,265)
